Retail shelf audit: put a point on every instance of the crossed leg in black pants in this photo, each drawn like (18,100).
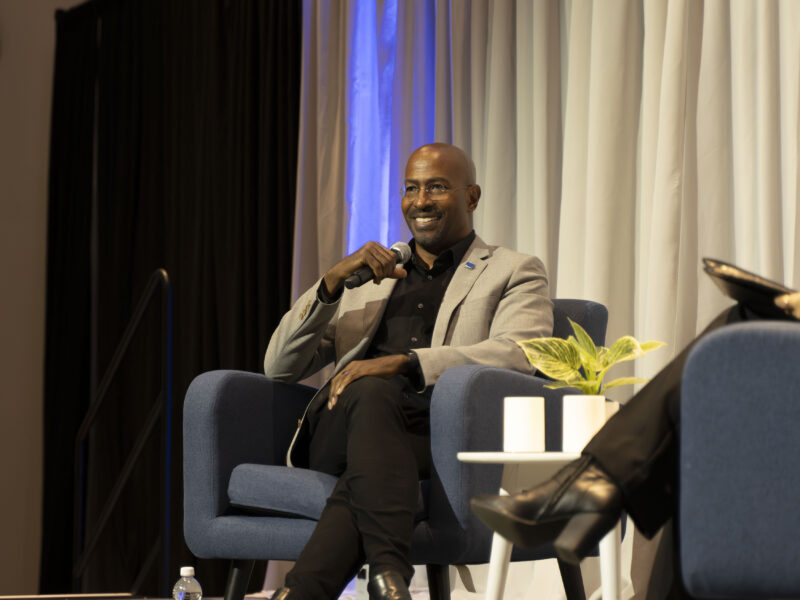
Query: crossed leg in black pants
(377,440)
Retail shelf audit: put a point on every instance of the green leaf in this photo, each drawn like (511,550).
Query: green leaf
(651,345)
(624,381)
(588,351)
(556,358)
(585,342)
(588,360)
(602,355)
(625,348)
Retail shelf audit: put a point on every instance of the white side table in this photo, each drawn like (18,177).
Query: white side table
(523,470)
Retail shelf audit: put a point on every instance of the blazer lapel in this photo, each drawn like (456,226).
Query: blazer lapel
(467,272)
(376,297)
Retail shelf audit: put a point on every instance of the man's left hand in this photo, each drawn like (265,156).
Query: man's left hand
(383,366)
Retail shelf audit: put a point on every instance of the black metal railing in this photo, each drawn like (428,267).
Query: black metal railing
(161,411)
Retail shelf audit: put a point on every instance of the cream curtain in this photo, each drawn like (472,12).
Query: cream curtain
(622,141)
(619,140)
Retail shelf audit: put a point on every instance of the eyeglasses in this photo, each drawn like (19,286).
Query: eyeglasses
(433,190)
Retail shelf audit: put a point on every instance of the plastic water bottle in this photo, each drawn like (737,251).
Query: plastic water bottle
(187,587)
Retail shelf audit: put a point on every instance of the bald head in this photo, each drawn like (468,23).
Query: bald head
(453,155)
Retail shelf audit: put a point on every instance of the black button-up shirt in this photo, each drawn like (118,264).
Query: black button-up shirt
(411,311)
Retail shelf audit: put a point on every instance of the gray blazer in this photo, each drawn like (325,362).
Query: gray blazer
(496,297)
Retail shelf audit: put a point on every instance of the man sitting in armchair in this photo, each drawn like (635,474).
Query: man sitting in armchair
(455,301)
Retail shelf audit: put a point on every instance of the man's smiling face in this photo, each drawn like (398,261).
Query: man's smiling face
(437,222)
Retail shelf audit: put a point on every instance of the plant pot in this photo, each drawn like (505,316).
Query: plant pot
(583,416)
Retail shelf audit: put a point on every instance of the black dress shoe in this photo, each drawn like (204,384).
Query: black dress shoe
(574,510)
(282,593)
(388,585)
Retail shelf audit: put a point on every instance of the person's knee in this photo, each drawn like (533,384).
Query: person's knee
(366,387)
(373,396)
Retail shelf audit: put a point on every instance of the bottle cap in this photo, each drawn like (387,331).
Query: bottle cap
(187,571)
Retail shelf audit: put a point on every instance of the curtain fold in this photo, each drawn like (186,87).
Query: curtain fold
(68,320)
(597,217)
(320,216)
(539,140)
(661,236)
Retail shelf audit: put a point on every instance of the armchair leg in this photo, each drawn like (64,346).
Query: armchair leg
(238,578)
(438,581)
(572,579)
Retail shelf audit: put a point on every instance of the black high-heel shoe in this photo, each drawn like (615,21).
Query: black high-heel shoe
(573,510)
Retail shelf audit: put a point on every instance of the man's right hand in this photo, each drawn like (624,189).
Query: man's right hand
(380,259)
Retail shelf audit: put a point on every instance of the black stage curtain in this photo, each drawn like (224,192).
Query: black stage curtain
(196,146)
(67,352)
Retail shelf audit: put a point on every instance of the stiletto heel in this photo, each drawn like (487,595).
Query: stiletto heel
(582,534)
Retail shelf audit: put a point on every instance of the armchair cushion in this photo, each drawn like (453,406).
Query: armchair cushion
(280,491)
(291,491)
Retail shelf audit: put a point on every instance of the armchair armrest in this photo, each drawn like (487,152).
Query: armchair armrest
(738,461)
(467,415)
(229,418)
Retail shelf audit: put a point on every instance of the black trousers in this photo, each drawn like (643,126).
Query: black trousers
(377,440)
(638,447)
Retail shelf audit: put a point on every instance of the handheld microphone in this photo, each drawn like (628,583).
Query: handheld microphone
(402,253)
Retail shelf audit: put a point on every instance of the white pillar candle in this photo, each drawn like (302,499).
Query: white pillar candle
(523,424)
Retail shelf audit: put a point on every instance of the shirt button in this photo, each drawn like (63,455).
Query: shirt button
(413,339)
(420,305)
(430,277)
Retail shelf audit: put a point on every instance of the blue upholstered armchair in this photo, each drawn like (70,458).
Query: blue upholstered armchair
(237,427)
(739,523)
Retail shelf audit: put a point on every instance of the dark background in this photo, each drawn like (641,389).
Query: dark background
(173,144)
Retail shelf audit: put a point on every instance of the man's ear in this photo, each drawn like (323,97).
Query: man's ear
(473,196)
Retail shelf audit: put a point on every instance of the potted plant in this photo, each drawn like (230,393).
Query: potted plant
(578,363)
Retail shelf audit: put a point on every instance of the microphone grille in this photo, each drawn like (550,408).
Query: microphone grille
(403,250)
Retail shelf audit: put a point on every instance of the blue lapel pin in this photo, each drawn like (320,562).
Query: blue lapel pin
(469,265)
